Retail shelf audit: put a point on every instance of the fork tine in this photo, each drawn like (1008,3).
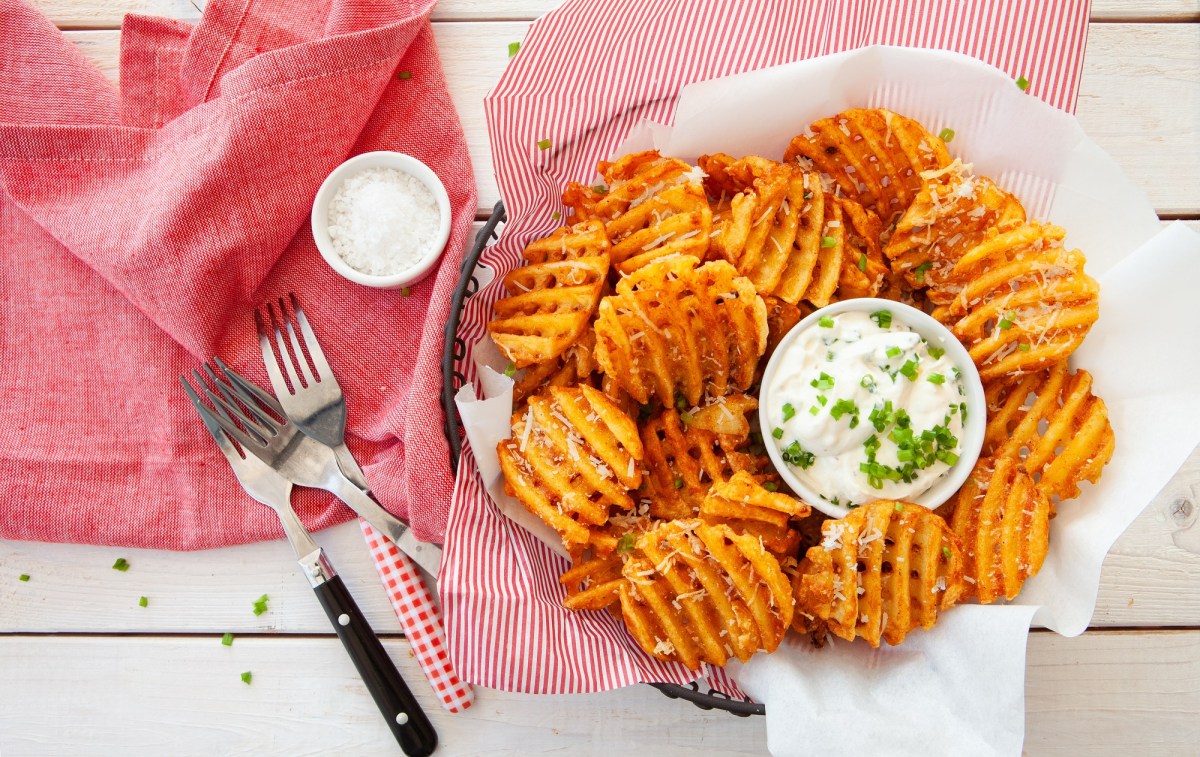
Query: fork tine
(285,356)
(241,403)
(245,388)
(225,417)
(297,349)
(228,448)
(310,339)
(263,322)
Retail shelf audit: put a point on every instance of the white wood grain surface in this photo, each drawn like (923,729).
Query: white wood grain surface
(85,671)
(183,696)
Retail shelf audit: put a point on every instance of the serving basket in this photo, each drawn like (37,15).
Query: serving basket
(454,353)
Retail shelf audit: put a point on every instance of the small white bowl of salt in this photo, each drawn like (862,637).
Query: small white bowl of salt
(382,219)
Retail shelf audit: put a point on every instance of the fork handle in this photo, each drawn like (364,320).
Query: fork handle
(400,709)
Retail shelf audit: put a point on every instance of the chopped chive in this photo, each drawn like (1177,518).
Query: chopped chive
(825,322)
(625,543)
(814,410)
(143,602)
(946,134)
(543,144)
(882,318)
(909,369)
(1005,323)
(936,378)
(788,412)
(893,351)
(260,605)
(246,677)
(1022,83)
(227,640)
(600,189)
(827,242)
(686,418)
(862,262)
(513,48)
(824,382)
(794,454)
(771,486)
(555,216)
(777,433)
(510,370)
(680,401)
(822,399)
(1023,347)
(23,577)
(868,383)
(678,482)
(406,292)
(404,75)
(899,507)
(946,552)
(920,270)
(121,564)
(936,352)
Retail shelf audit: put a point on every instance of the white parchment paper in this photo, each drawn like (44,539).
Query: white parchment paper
(848,699)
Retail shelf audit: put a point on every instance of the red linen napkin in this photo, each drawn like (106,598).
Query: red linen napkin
(139,228)
(584,76)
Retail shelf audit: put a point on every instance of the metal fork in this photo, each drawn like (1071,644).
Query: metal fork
(312,398)
(258,422)
(404,715)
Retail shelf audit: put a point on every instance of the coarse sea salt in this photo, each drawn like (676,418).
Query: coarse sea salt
(382,221)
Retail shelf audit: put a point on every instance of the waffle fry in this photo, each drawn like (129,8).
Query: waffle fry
(682,461)
(951,214)
(630,180)
(593,582)
(1003,521)
(697,593)
(830,255)
(873,156)
(1077,439)
(744,504)
(551,298)
(1026,303)
(881,571)
(572,367)
(863,272)
(675,326)
(572,458)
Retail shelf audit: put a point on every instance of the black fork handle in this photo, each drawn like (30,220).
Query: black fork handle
(400,709)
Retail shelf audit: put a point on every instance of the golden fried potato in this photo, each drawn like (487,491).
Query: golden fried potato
(830,256)
(675,326)
(863,272)
(757,231)
(1003,521)
(1027,301)
(574,366)
(551,298)
(682,460)
(952,213)
(572,457)
(873,156)
(594,584)
(672,221)
(1064,432)
(880,572)
(743,503)
(629,181)
(698,593)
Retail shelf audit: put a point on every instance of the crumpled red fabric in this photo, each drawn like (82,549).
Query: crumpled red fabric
(140,227)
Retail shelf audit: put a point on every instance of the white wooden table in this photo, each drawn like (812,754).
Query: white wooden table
(84,670)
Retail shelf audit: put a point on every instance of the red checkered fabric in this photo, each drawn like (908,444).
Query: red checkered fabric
(421,618)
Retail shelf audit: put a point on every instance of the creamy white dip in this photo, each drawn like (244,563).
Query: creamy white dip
(862,407)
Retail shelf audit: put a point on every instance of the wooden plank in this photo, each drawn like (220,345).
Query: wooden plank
(1140,98)
(1149,580)
(107,14)
(1106,693)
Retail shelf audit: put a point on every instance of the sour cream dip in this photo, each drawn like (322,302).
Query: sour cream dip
(860,403)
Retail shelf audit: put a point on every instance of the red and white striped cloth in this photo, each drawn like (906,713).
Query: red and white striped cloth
(585,74)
